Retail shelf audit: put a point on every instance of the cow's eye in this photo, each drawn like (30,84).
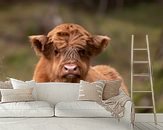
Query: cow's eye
(56,52)
(82,52)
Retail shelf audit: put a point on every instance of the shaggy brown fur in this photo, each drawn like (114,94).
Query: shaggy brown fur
(65,56)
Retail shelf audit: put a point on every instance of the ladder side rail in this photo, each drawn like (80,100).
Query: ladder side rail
(132,47)
(151,80)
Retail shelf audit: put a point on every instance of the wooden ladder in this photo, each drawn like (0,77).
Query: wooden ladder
(149,74)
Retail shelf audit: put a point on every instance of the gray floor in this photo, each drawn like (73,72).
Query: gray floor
(148,126)
(146,122)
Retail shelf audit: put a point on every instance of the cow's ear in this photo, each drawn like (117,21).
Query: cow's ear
(38,42)
(41,45)
(98,43)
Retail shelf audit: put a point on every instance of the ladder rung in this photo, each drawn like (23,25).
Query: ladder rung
(143,106)
(143,74)
(142,91)
(140,49)
(143,62)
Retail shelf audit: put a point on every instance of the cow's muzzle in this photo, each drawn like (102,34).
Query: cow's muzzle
(71,71)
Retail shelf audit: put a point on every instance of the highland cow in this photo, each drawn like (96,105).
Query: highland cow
(65,55)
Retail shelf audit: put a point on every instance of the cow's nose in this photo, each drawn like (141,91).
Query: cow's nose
(71,71)
(71,68)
